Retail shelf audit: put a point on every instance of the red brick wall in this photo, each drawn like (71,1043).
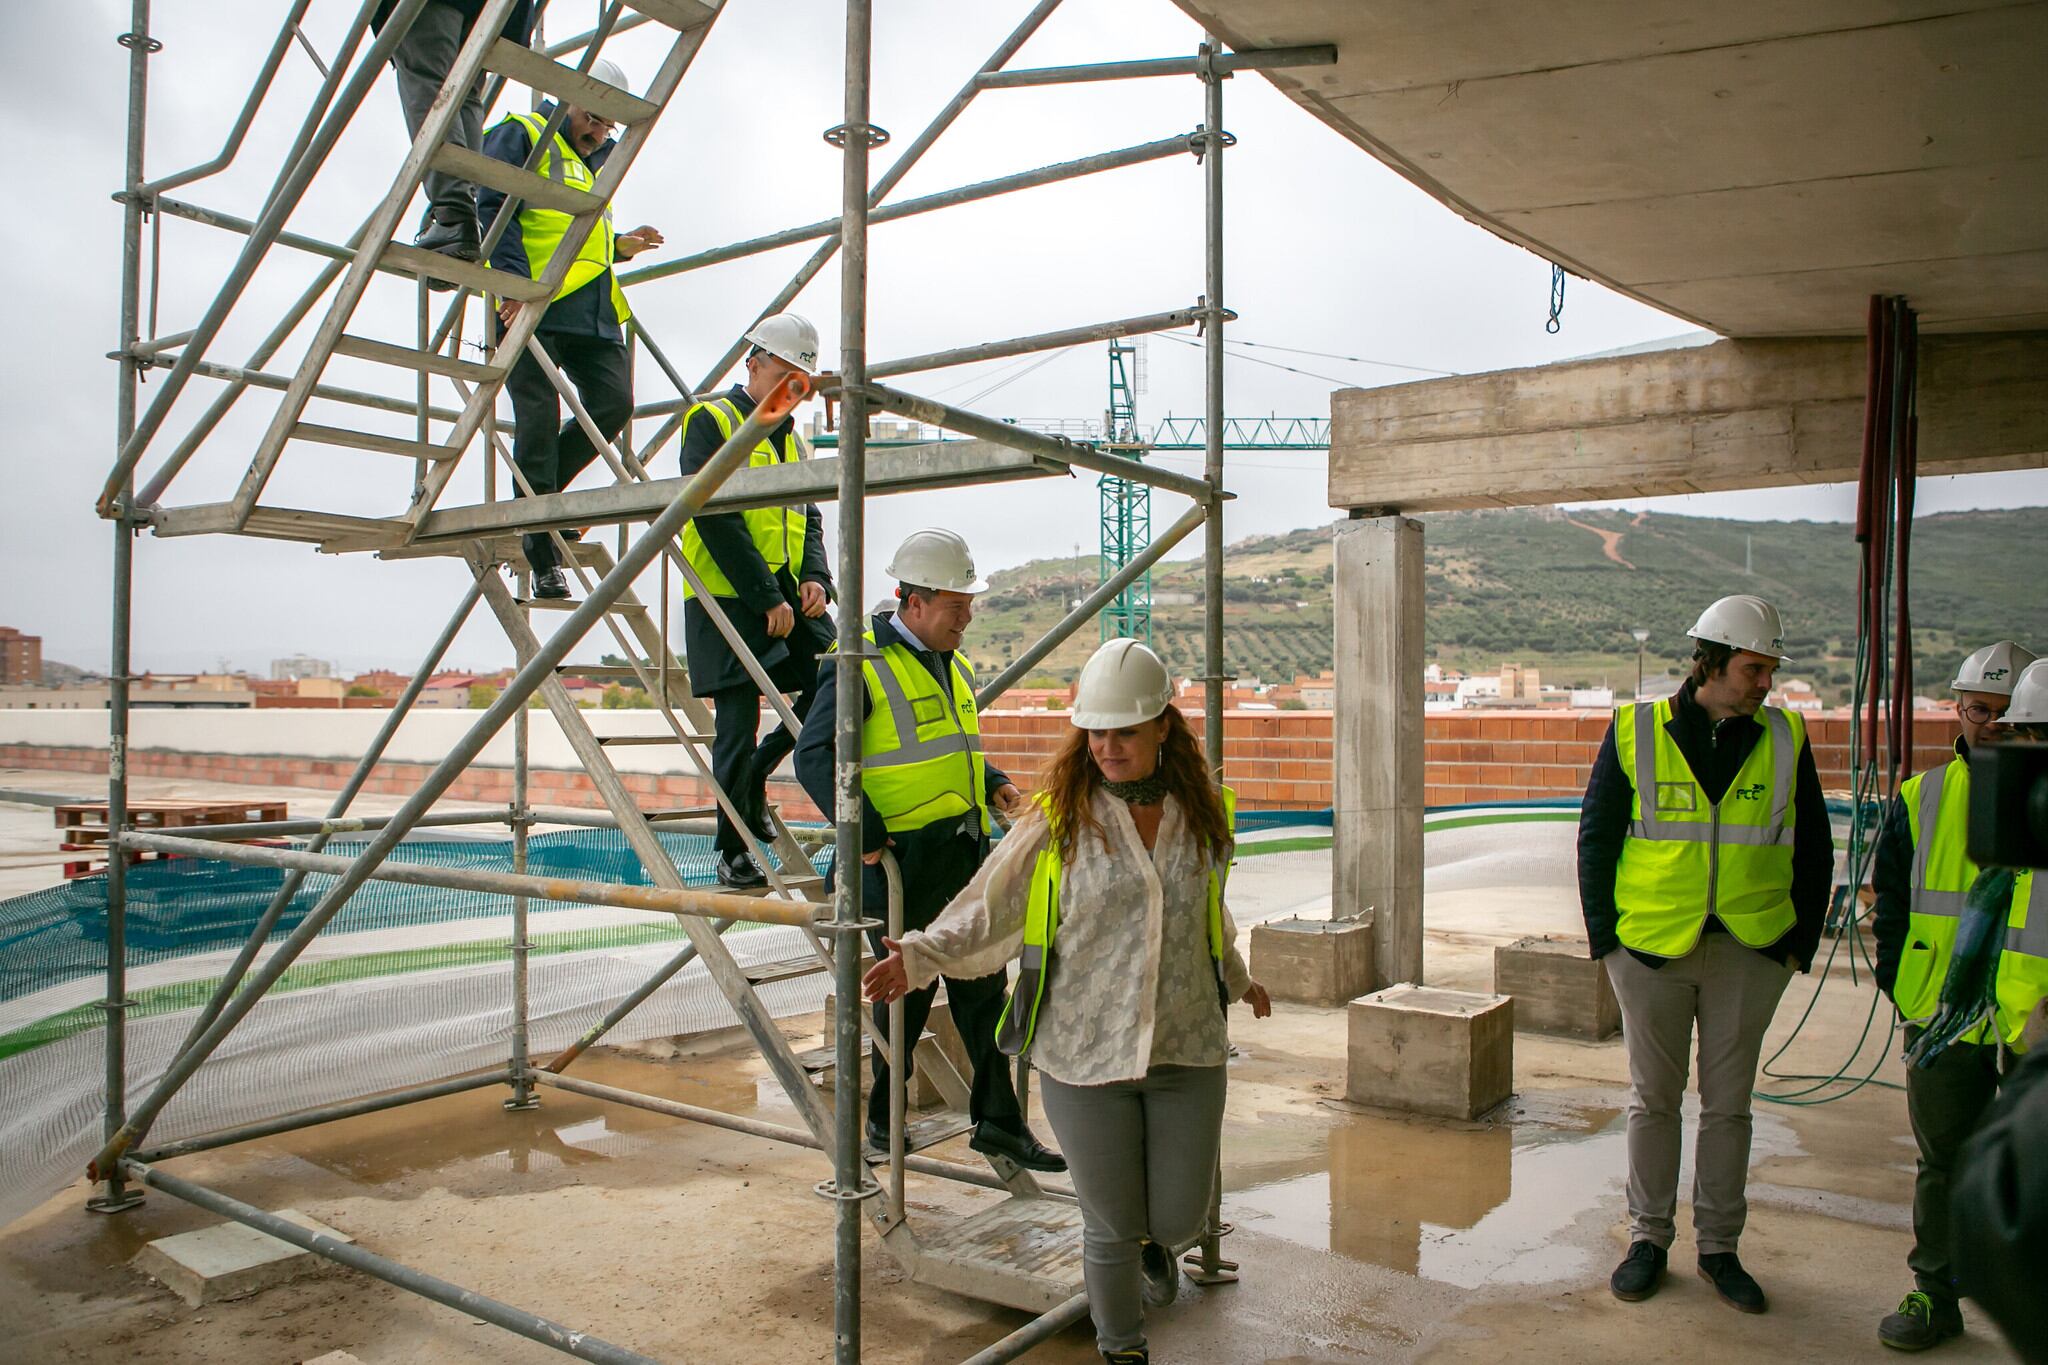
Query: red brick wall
(1275,759)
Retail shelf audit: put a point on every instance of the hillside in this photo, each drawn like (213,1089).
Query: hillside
(1562,591)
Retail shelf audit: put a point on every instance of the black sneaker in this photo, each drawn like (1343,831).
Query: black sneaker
(739,871)
(1922,1320)
(1736,1286)
(1162,1276)
(552,585)
(1640,1272)
(1020,1147)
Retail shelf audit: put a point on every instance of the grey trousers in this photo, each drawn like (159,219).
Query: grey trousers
(1732,992)
(1143,1158)
(1947,1102)
(422,60)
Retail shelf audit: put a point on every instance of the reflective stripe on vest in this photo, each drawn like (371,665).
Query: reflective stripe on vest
(541,229)
(1685,856)
(921,758)
(2023,966)
(1937,815)
(777,532)
(1019,1021)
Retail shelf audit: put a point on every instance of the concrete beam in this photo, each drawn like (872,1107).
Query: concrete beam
(1735,414)
(1377,810)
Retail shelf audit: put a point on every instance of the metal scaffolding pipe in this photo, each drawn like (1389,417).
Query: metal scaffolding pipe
(529,1325)
(890,178)
(567,890)
(1267,59)
(965,194)
(772,1132)
(850,1181)
(1022,438)
(465,750)
(329,1113)
(240,130)
(284,197)
(350,824)
(1036,1332)
(633,1001)
(1044,341)
(263,379)
(1092,605)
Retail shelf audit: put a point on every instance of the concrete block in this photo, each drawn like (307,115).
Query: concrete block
(1557,987)
(229,1260)
(1431,1051)
(1314,962)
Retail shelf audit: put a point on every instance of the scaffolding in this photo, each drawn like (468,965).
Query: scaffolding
(973,1256)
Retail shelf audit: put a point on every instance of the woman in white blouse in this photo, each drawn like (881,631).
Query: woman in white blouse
(1111,891)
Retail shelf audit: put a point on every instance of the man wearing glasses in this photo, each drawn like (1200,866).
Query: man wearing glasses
(1922,875)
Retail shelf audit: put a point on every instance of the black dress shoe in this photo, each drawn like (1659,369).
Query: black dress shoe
(739,871)
(1736,1286)
(877,1139)
(1640,1272)
(1022,1148)
(450,236)
(553,585)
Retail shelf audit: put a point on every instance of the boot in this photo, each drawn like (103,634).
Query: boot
(1640,1272)
(1736,1286)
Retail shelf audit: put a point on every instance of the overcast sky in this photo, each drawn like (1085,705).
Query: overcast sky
(1327,251)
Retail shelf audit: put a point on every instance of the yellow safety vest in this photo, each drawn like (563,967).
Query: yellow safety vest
(541,229)
(1019,1021)
(1937,813)
(1687,857)
(778,532)
(920,748)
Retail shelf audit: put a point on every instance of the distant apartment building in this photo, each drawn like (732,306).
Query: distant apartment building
(296,666)
(21,658)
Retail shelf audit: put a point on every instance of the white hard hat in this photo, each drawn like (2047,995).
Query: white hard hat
(1743,622)
(2029,696)
(1994,668)
(790,337)
(934,558)
(1122,684)
(611,73)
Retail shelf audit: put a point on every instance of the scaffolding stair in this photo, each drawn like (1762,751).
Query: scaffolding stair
(690,21)
(1023,1253)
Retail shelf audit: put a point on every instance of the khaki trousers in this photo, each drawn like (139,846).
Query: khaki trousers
(1730,992)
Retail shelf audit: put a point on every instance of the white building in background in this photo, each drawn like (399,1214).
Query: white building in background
(1473,690)
(293,667)
(1593,698)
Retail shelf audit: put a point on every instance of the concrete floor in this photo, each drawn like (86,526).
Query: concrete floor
(1361,1235)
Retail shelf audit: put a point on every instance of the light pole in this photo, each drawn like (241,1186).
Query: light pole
(1641,635)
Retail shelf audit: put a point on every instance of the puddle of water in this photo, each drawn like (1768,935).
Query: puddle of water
(1458,1206)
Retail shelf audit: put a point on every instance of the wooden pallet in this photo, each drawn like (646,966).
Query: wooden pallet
(83,824)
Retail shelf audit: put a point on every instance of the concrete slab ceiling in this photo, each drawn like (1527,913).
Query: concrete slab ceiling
(1757,167)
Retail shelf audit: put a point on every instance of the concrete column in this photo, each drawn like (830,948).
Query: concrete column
(1378,801)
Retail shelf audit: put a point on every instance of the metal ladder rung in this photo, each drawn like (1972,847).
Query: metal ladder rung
(614,672)
(786,969)
(618,741)
(434,362)
(567,84)
(517,181)
(928,1131)
(411,260)
(371,440)
(819,1059)
(680,15)
(655,817)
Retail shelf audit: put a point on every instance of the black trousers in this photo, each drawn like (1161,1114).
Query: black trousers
(548,451)
(741,764)
(1947,1102)
(935,869)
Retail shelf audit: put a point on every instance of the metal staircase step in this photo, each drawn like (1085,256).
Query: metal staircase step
(567,84)
(1023,1253)
(655,817)
(928,1131)
(615,672)
(680,15)
(517,181)
(434,362)
(786,968)
(373,440)
(410,260)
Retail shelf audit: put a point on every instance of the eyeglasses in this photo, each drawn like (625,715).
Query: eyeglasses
(1977,713)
